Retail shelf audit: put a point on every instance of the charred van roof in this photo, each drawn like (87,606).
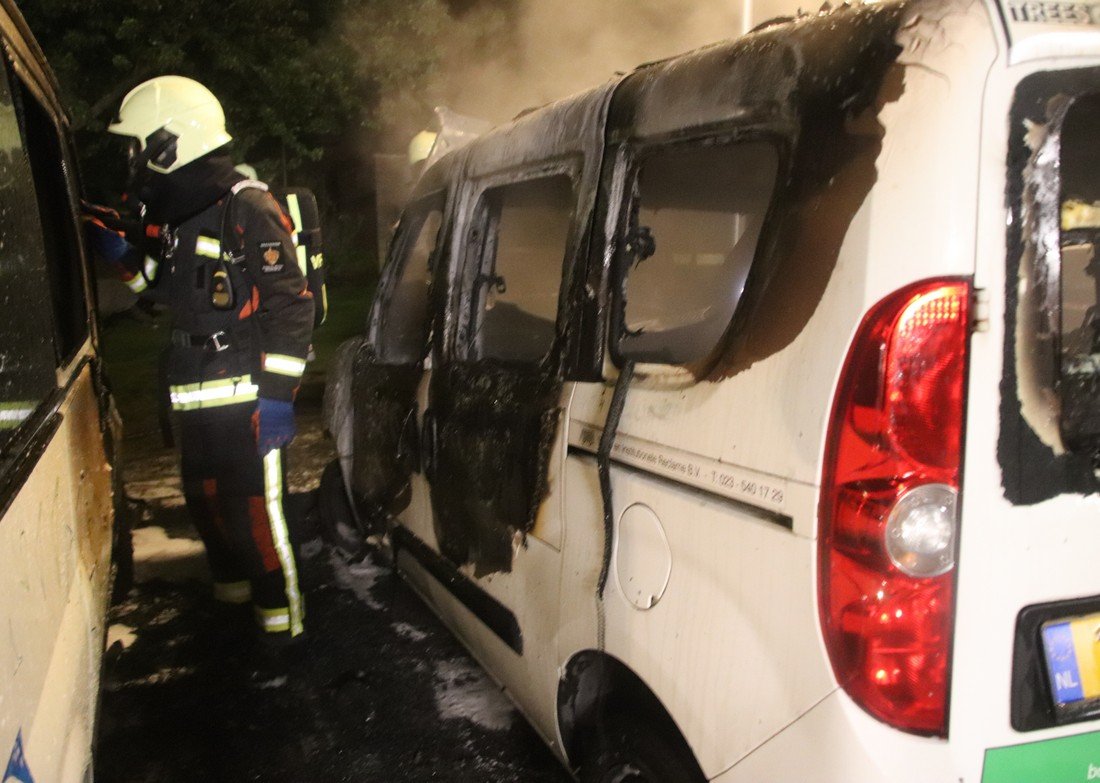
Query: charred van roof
(765,73)
(770,74)
(559,129)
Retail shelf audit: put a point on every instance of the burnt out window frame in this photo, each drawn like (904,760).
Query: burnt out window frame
(1033,470)
(405,236)
(629,158)
(20,454)
(1064,380)
(480,252)
(66,258)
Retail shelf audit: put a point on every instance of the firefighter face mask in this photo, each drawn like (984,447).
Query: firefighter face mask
(158,153)
(171,198)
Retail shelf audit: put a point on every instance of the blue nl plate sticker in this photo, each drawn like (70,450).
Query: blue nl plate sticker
(1065,677)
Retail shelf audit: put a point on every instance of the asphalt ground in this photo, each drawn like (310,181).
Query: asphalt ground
(384,692)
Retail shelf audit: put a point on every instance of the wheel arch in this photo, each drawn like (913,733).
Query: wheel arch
(594,685)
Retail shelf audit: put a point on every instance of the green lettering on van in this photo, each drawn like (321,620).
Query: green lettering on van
(1066,760)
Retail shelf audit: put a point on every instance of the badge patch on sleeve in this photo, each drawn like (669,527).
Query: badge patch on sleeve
(271,252)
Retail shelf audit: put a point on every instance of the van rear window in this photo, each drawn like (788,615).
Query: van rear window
(1078,333)
(696,219)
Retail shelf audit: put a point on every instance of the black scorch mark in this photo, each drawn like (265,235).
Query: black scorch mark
(497,427)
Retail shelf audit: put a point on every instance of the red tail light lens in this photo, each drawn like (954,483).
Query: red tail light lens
(888,512)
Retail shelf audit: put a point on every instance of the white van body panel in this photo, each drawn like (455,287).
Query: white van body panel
(56,480)
(60,524)
(530,681)
(732,628)
(837,741)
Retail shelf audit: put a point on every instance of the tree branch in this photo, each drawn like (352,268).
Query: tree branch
(111,99)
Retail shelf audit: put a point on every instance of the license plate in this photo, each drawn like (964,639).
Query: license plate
(1071,647)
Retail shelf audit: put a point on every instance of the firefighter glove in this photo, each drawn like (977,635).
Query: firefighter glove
(273,423)
(107,244)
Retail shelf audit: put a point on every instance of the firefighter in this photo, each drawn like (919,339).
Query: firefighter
(225,263)
(420,149)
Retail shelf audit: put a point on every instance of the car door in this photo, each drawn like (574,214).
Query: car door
(495,401)
(494,436)
(389,367)
(511,338)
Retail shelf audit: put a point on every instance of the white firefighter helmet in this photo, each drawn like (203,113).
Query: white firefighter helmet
(171,109)
(421,147)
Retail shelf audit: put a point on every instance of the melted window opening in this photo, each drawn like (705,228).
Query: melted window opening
(517,288)
(695,222)
(61,240)
(405,324)
(1078,325)
(27,354)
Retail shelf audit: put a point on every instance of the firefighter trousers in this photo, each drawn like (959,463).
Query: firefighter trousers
(236,498)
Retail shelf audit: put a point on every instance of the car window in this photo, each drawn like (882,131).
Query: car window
(516,291)
(27,358)
(1077,330)
(54,197)
(405,323)
(697,215)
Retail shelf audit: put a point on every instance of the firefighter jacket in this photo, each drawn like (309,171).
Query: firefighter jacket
(241,324)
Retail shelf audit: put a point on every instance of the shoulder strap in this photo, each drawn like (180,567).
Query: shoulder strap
(248,183)
(244,184)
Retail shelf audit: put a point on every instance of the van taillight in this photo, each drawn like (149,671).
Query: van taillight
(889,506)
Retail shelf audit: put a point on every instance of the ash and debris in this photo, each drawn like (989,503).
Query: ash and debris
(385,692)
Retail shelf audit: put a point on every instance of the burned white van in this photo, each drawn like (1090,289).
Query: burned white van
(58,430)
(741,414)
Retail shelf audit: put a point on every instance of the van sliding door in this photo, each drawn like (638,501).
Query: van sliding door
(495,404)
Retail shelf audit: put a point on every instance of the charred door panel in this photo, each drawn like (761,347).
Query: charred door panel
(384,404)
(495,434)
(495,408)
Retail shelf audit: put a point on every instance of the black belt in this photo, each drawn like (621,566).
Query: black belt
(217,342)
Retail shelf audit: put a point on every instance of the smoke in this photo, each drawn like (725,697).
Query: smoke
(496,63)
(492,59)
